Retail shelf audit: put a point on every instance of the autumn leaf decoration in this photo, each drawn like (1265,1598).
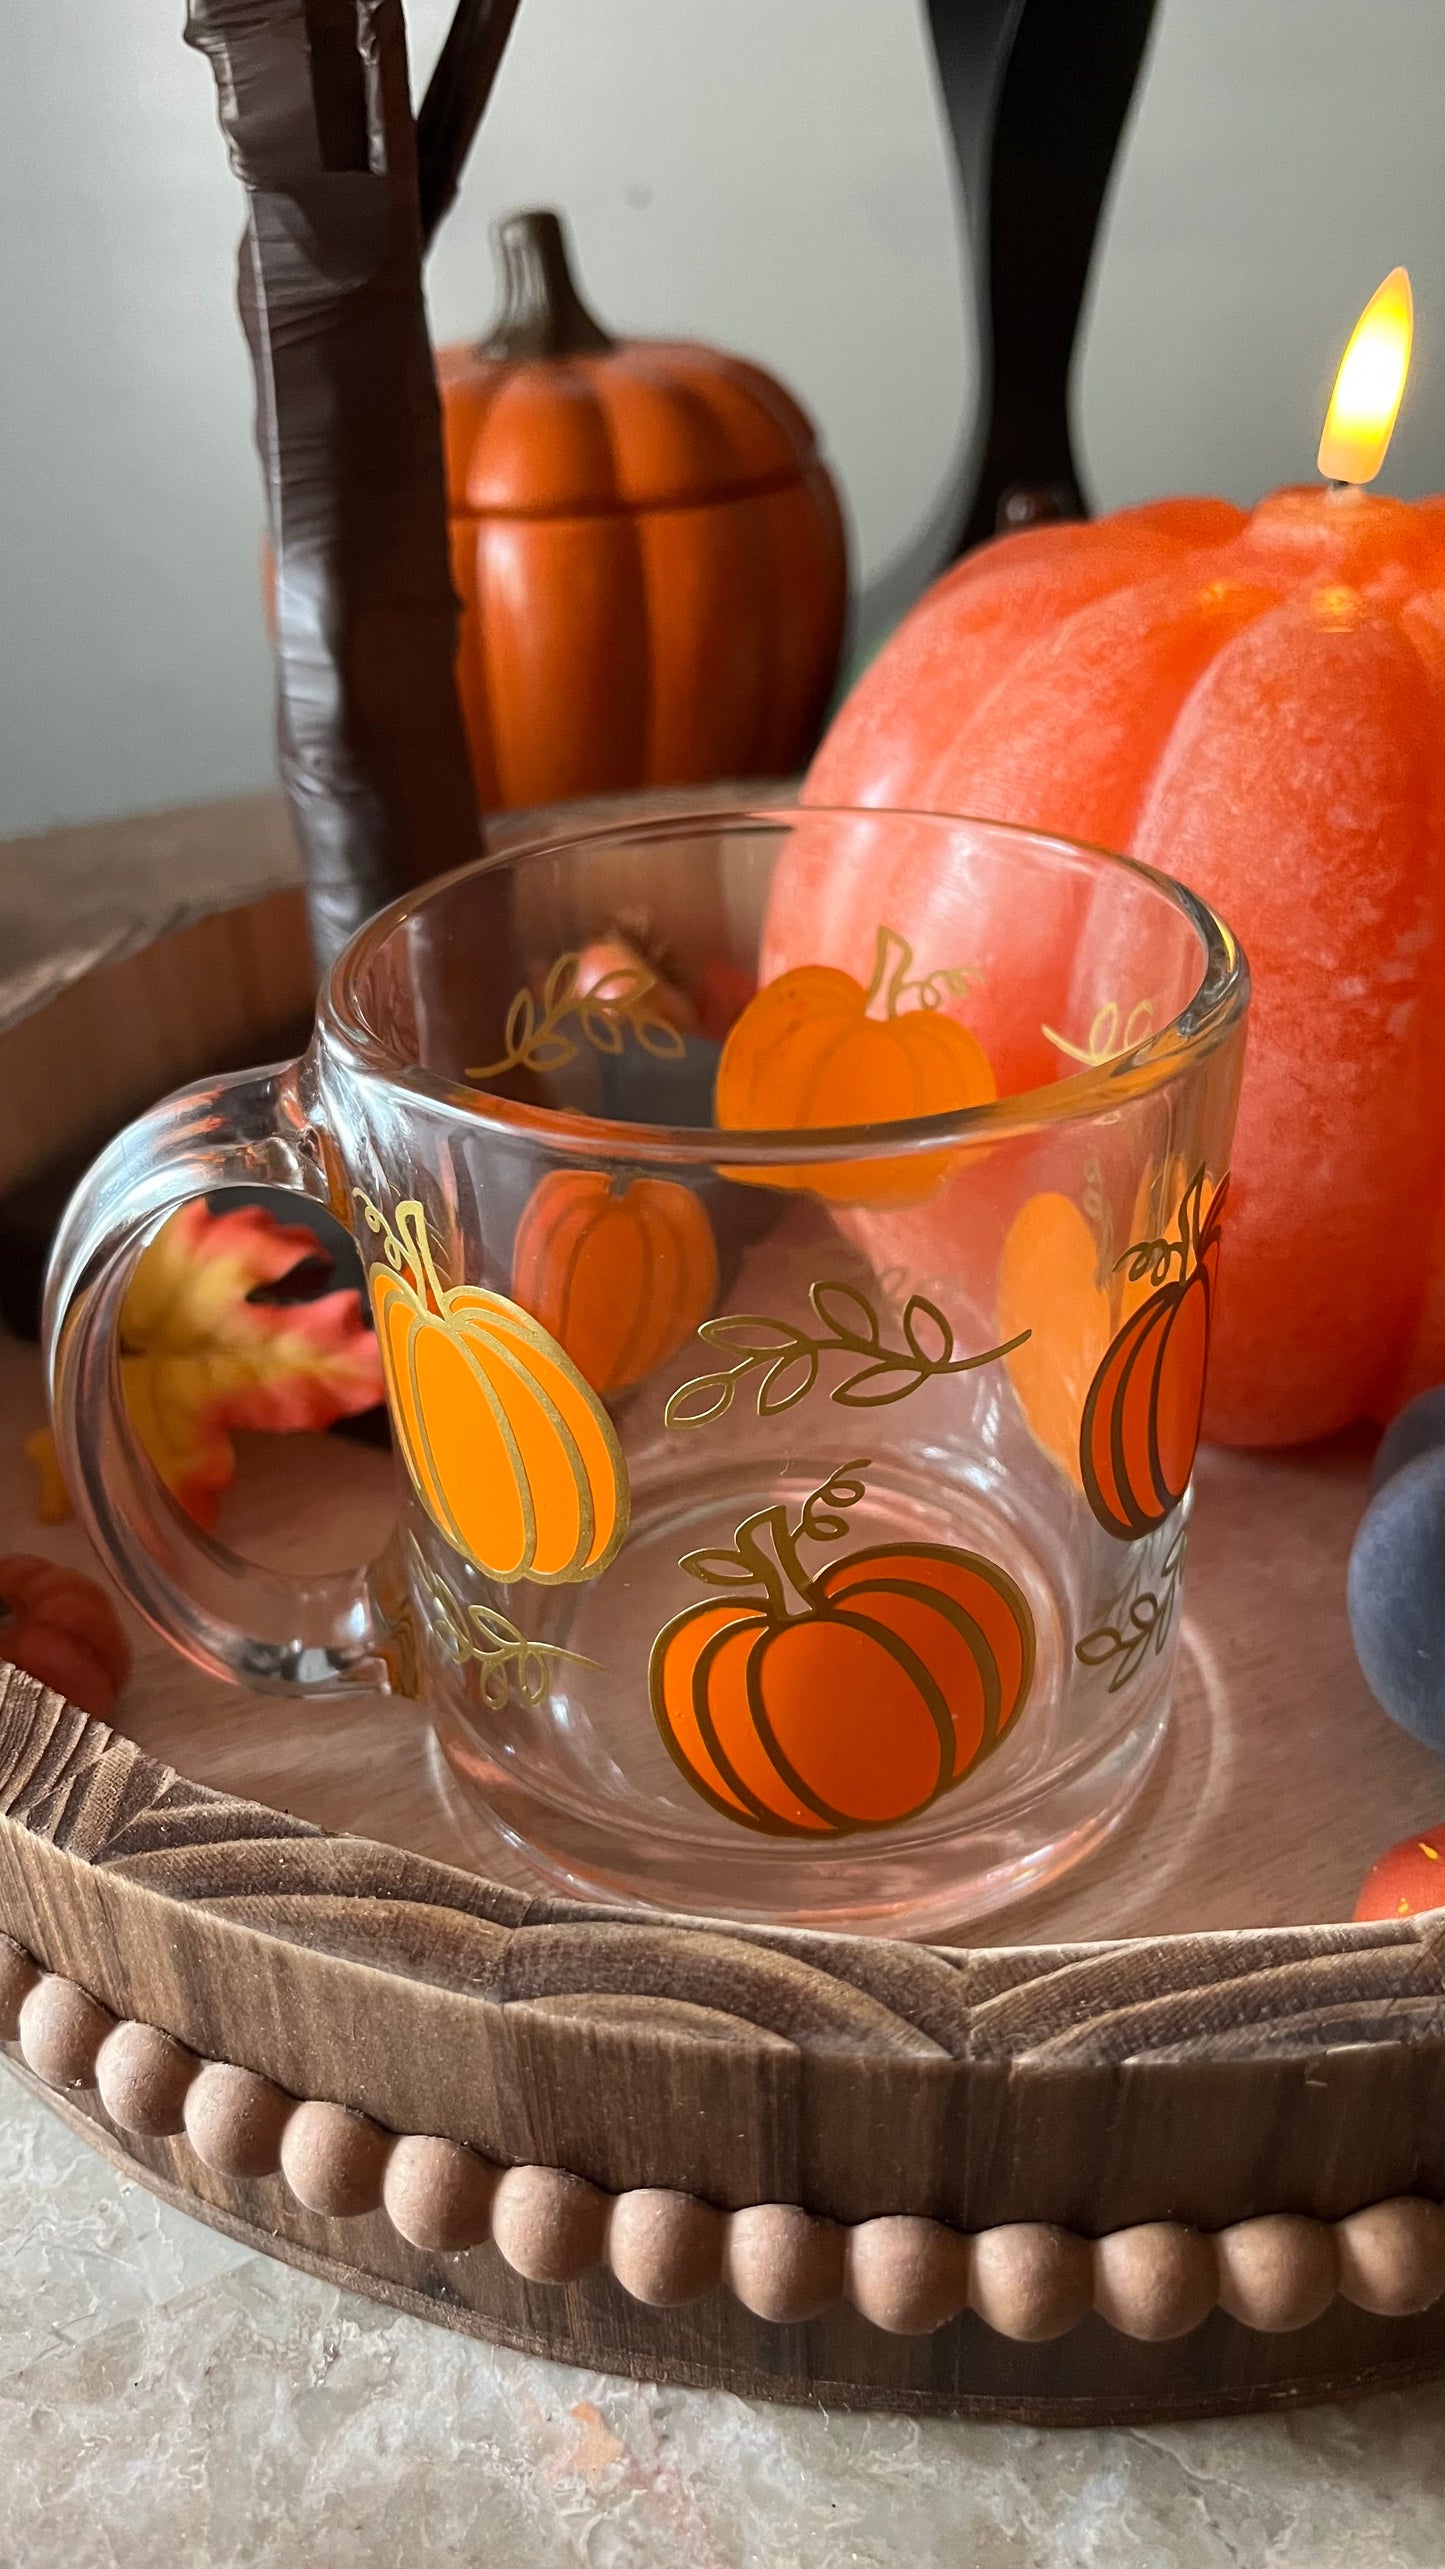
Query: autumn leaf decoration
(199,1358)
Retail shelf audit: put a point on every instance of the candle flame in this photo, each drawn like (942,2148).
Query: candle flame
(1365,402)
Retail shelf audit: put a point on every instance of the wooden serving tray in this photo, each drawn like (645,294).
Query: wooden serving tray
(1174,2148)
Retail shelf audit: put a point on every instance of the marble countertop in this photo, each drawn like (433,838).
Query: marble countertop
(167,2396)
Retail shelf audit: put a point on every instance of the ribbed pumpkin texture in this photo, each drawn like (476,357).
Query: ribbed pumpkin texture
(1145,1405)
(1070,1296)
(1255,704)
(647,545)
(807,1052)
(60,1626)
(850,1700)
(620,1278)
(510,1452)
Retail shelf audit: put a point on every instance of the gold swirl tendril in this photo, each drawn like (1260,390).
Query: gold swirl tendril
(509,1666)
(1139,1618)
(1107,1037)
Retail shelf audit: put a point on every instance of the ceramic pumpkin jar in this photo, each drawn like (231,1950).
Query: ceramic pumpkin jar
(1255,704)
(647,546)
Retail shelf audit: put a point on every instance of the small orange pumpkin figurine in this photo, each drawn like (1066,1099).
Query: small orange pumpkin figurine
(901,1668)
(621,1280)
(512,1455)
(1145,1404)
(60,1626)
(806,1053)
(647,546)
(1407,1881)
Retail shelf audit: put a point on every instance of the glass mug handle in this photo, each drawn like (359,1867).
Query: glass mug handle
(311,1634)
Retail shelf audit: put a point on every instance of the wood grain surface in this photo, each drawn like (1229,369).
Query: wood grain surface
(1221,2056)
(1092,2088)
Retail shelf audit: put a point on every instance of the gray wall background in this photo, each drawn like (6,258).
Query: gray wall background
(768,174)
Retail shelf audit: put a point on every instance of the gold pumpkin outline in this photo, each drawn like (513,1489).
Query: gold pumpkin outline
(651,1204)
(1198,1236)
(760,1601)
(406,1245)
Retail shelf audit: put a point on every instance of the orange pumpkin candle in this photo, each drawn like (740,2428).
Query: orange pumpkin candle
(1256,704)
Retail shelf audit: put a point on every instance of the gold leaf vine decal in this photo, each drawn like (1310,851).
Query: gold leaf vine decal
(535,1031)
(788,1359)
(1110,1034)
(1137,1618)
(510,1667)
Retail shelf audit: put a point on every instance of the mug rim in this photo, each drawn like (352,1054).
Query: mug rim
(1218,1002)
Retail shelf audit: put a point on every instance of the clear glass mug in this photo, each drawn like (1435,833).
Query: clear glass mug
(790,1519)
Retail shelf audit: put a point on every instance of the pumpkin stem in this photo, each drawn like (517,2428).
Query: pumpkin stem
(406,1247)
(751,1563)
(1154,1258)
(542,313)
(892,960)
(1191,1222)
(775,1577)
(417,1250)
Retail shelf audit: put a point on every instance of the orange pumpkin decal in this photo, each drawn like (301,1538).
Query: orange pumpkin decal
(622,1279)
(902,1666)
(1049,1283)
(1059,1281)
(510,1452)
(806,1054)
(1145,1404)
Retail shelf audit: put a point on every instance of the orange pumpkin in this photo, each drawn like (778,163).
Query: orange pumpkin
(1063,1293)
(620,1279)
(1145,1404)
(902,1667)
(647,546)
(1255,704)
(1408,1880)
(60,1626)
(510,1452)
(806,1053)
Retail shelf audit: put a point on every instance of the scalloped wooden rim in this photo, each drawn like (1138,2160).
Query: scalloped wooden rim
(1161,2137)
(1261,1997)
(1031,2281)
